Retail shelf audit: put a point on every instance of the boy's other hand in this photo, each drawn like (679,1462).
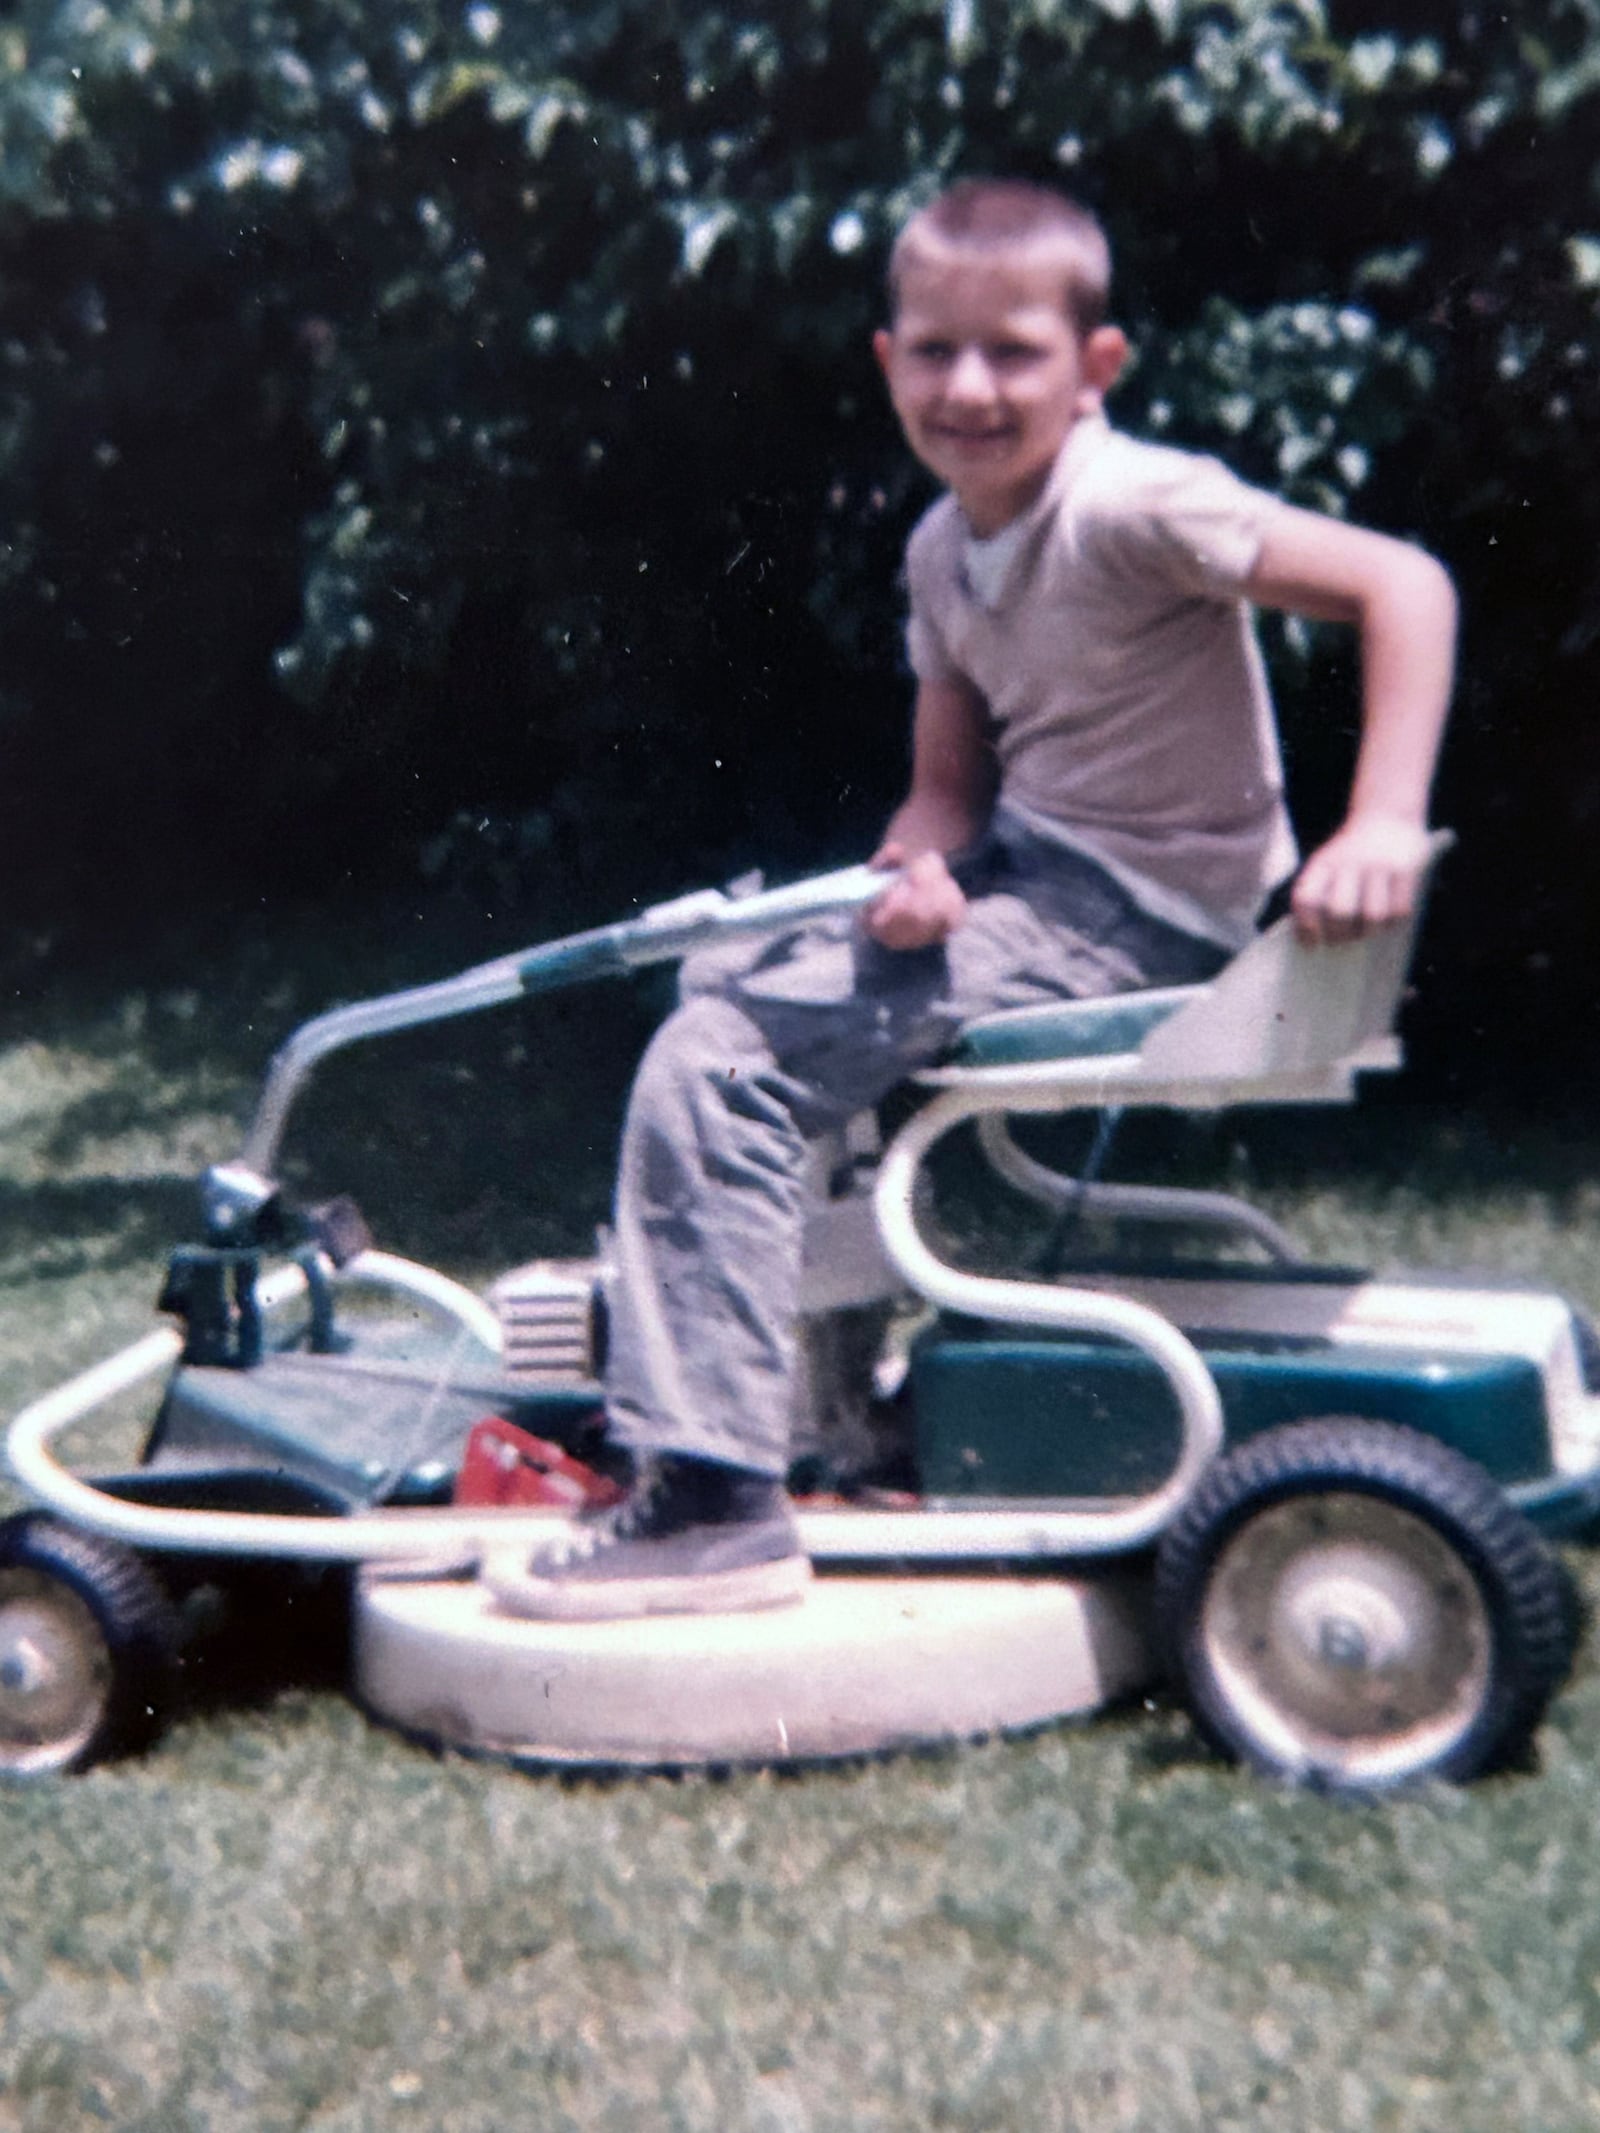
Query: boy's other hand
(1367,875)
(922,908)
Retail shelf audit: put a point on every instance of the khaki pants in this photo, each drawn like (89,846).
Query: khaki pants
(784,1041)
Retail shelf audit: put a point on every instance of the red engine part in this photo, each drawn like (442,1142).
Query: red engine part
(508,1465)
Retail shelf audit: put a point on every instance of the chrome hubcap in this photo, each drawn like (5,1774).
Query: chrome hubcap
(55,1672)
(1347,1636)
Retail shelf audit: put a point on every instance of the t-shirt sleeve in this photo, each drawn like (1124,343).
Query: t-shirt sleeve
(1188,521)
(926,648)
(926,652)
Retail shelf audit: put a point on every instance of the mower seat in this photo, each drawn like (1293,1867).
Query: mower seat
(1067,1029)
(1282,1017)
(1281,1022)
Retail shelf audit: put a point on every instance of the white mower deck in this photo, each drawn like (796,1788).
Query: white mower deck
(859,1666)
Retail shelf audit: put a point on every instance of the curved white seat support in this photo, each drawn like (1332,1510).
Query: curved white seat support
(1168,1204)
(1091,1529)
(1282,1023)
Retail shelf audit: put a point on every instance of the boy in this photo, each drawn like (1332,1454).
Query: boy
(1095,805)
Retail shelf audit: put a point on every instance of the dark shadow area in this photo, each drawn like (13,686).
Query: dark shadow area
(58,1229)
(488,1137)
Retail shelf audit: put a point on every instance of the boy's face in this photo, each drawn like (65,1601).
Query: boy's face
(988,374)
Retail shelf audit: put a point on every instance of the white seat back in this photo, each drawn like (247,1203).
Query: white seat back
(1283,1008)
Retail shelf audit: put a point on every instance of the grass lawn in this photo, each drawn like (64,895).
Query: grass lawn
(283,1917)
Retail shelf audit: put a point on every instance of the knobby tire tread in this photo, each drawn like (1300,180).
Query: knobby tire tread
(134,1612)
(1523,1586)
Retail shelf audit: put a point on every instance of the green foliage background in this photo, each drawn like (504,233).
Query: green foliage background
(444,438)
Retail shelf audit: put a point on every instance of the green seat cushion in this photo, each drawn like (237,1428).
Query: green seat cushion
(1068,1029)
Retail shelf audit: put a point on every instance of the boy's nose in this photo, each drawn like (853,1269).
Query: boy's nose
(971,377)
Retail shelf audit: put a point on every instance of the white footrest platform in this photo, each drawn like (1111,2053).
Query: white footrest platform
(861,1665)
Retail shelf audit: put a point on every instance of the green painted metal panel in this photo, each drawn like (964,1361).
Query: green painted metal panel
(386,1422)
(1068,1029)
(1031,1416)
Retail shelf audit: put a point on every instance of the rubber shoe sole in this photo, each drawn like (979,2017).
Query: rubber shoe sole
(752,1586)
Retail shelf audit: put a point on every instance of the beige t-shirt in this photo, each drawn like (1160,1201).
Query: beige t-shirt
(1107,634)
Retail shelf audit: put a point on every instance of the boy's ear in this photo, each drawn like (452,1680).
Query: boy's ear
(882,343)
(1105,354)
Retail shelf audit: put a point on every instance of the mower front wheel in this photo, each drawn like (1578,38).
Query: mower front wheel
(1355,1606)
(88,1641)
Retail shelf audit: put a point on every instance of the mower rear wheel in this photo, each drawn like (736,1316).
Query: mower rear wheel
(1355,1606)
(88,1639)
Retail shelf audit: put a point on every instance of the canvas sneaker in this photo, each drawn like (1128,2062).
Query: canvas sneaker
(691,1537)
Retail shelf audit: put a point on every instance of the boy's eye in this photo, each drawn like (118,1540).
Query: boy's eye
(1010,352)
(933,351)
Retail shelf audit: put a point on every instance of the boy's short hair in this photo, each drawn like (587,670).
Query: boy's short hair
(1005,214)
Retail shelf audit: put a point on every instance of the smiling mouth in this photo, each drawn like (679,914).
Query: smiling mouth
(947,433)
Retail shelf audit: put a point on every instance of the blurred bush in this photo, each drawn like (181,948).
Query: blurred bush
(414,417)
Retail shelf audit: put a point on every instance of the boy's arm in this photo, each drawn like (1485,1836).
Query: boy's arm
(952,791)
(1404,605)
